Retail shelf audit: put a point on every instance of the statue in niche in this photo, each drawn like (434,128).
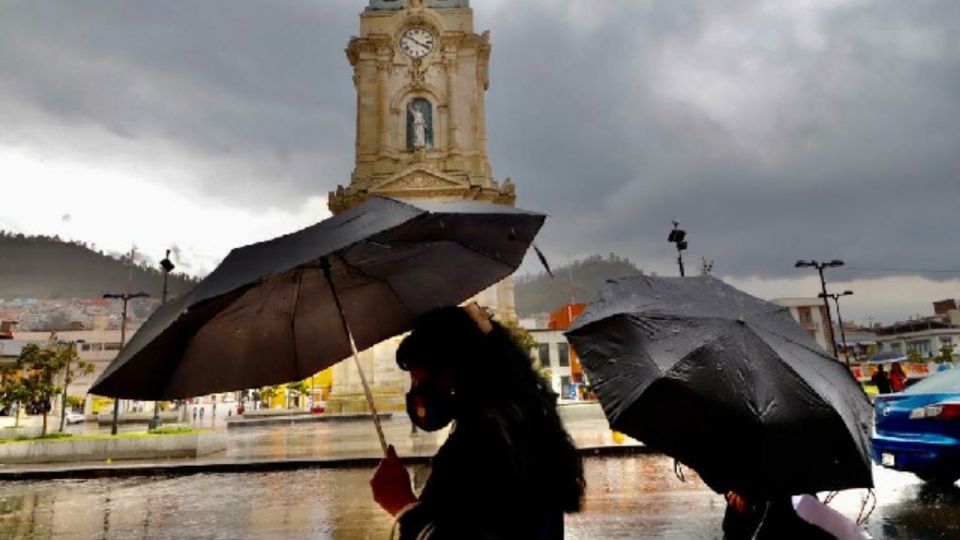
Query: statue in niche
(419,124)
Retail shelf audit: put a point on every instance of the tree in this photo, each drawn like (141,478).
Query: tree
(268,392)
(946,353)
(914,355)
(40,366)
(524,338)
(13,392)
(68,355)
(300,388)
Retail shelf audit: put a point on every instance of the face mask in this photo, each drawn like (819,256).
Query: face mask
(429,409)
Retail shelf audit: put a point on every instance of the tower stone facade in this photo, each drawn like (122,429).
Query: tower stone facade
(421,73)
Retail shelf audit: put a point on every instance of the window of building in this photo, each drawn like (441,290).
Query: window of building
(805,315)
(922,347)
(946,341)
(565,386)
(544,354)
(564,350)
(896,347)
(111,346)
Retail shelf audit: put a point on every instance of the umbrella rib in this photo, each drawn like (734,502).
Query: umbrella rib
(376,278)
(293,321)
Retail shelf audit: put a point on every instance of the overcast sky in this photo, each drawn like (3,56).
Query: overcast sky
(771,130)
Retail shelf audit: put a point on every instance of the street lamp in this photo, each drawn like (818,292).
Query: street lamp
(166,266)
(843,333)
(836,263)
(125,297)
(678,236)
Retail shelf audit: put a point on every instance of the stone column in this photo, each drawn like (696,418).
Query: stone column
(383,97)
(483,82)
(450,66)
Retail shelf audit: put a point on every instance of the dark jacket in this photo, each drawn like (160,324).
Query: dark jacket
(486,483)
(882,382)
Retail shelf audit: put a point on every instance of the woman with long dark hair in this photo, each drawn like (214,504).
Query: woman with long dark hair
(509,470)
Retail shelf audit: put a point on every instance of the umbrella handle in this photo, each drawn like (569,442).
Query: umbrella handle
(325,264)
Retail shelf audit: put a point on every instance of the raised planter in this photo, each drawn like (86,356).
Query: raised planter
(188,445)
(166,417)
(10,433)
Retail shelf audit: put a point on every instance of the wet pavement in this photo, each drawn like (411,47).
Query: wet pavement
(628,497)
(636,496)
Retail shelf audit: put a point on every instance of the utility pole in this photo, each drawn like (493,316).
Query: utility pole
(678,236)
(836,263)
(125,297)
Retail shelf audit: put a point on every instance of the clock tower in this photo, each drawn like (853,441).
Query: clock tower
(421,73)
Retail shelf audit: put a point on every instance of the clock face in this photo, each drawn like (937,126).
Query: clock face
(417,42)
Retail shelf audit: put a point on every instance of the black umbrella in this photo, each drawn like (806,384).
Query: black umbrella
(284,309)
(725,383)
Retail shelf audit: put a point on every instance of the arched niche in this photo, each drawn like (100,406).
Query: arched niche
(420,117)
(401,116)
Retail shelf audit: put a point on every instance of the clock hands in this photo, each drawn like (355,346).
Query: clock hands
(420,43)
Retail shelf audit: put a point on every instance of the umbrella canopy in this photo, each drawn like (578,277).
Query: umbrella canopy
(727,384)
(267,315)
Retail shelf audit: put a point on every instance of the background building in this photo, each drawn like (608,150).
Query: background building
(927,336)
(812,316)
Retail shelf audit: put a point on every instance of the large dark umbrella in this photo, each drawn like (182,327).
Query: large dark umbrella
(284,309)
(725,383)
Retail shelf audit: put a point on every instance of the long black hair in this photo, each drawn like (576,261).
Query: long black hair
(492,373)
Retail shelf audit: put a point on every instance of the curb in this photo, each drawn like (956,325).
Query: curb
(172,469)
(301,419)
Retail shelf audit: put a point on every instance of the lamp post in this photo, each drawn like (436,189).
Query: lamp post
(167,266)
(678,236)
(125,297)
(843,333)
(836,263)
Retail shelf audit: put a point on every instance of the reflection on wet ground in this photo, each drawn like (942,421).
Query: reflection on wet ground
(351,439)
(631,497)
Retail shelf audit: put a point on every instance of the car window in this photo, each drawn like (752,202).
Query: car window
(947,381)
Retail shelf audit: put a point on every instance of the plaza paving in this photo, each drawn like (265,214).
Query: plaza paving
(629,496)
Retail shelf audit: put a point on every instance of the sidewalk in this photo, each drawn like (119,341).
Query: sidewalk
(344,444)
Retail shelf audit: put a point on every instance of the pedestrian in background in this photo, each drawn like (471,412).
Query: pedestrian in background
(898,379)
(881,380)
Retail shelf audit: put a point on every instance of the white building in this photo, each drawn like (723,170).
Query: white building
(554,353)
(927,336)
(812,316)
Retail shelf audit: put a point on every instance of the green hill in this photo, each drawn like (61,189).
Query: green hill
(576,282)
(47,267)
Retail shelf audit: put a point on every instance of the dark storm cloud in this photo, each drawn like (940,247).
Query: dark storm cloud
(772,130)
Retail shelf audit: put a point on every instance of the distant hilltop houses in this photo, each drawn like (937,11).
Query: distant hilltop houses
(33,314)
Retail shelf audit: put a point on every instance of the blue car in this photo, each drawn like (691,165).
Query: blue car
(918,430)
